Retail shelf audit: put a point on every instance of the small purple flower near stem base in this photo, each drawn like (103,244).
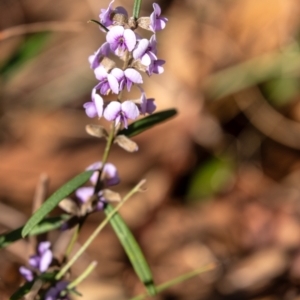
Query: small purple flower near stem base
(40,261)
(54,292)
(107,81)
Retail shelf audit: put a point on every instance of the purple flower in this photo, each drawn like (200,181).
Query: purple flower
(127,77)
(26,273)
(107,14)
(94,108)
(156,21)
(121,112)
(121,40)
(85,193)
(54,292)
(107,81)
(146,51)
(156,67)
(146,105)
(41,261)
(97,57)
(110,173)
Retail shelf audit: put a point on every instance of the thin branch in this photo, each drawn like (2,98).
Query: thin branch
(56,26)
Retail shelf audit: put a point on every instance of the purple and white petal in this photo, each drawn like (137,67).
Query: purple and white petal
(84,193)
(112,111)
(105,15)
(141,49)
(34,261)
(129,39)
(130,110)
(113,83)
(46,260)
(100,73)
(111,174)
(114,35)
(90,109)
(96,58)
(43,247)
(133,75)
(117,73)
(26,273)
(99,103)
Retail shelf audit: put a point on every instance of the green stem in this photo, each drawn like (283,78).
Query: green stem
(177,280)
(73,240)
(66,267)
(85,274)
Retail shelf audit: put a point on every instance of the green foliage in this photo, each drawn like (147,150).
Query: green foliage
(136,8)
(146,123)
(53,200)
(132,249)
(30,47)
(44,226)
(23,290)
(210,178)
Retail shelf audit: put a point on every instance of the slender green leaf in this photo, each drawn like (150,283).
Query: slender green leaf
(23,290)
(53,200)
(132,249)
(146,123)
(177,280)
(46,225)
(31,46)
(136,8)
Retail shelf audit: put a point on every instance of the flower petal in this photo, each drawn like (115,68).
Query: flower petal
(130,110)
(133,75)
(114,33)
(129,39)
(46,260)
(84,193)
(98,100)
(111,174)
(141,48)
(112,110)
(113,83)
(26,273)
(100,72)
(43,247)
(90,109)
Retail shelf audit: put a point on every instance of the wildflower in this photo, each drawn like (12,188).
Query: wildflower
(54,292)
(110,173)
(94,108)
(128,77)
(146,105)
(156,21)
(156,67)
(121,40)
(97,57)
(107,15)
(121,112)
(40,261)
(146,51)
(107,81)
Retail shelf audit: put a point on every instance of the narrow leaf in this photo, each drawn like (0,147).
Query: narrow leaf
(23,290)
(132,249)
(146,123)
(136,8)
(46,225)
(53,200)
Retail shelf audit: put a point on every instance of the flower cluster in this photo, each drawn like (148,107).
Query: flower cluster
(87,199)
(39,264)
(110,178)
(137,53)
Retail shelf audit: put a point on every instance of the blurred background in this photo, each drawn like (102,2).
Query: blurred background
(223,176)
